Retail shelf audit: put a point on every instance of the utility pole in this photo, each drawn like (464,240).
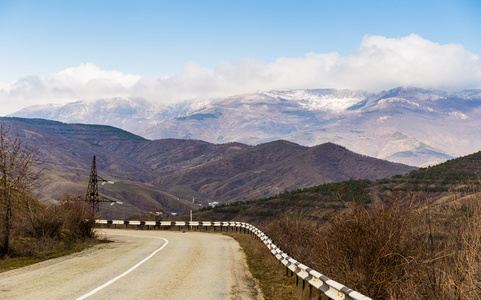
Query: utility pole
(190,219)
(92,195)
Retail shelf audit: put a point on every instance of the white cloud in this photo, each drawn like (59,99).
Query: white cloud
(86,81)
(379,63)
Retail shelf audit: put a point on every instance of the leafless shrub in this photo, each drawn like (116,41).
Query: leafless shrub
(59,226)
(373,250)
(78,220)
(407,249)
(18,162)
(294,234)
(458,272)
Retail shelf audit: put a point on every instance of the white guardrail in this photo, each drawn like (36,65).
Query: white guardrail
(329,287)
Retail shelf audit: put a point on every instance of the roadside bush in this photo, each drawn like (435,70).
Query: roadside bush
(406,249)
(78,221)
(294,234)
(455,269)
(55,227)
(374,250)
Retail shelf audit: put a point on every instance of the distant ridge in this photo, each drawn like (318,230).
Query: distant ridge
(77,130)
(408,125)
(167,174)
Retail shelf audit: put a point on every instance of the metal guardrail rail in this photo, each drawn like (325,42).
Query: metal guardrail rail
(329,287)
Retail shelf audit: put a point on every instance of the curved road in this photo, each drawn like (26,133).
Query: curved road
(140,265)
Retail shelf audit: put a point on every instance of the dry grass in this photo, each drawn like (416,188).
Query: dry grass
(268,271)
(18,262)
(407,249)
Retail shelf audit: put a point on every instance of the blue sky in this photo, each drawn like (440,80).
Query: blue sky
(146,41)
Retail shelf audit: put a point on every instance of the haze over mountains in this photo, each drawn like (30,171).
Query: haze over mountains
(407,125)
(165,175)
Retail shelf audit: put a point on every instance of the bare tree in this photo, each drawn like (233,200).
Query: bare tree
(17,162)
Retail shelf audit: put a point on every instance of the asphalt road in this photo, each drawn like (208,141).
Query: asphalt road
(140,265)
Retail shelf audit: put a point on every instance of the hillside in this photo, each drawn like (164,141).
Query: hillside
(321,202)
(68,150)
(427,227)
(165,175)
(274,167)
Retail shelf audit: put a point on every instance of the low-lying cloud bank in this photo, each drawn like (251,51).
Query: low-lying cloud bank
(379,63)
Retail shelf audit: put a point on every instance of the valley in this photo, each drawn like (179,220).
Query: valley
(175,176)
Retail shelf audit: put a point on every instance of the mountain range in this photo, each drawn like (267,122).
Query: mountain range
(407,125)
(175,175)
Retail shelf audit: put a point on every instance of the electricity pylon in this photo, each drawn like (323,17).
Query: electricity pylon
(92,195)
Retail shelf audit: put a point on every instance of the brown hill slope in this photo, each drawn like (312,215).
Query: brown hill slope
(453,182)
(271,168)
(166,174)
(68,150)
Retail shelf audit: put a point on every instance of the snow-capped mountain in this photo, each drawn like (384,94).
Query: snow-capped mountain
(325,99)
(126,113)
(407,125)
